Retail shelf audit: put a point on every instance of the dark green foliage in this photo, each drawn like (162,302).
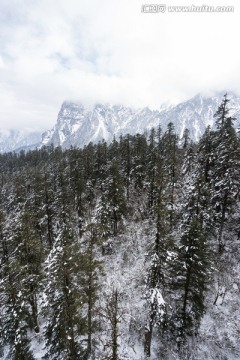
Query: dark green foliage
(112,206)
(91,269)
(57,208)
(112,316)
(20,276)
(64,299)
(225,170)
(139,161)
(192,270)
(158,279)
(15,318)
(170,168)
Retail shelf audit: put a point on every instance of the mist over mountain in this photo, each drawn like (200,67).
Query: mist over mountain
(78,125)
(15,140)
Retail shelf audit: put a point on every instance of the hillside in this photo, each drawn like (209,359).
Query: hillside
(123,250)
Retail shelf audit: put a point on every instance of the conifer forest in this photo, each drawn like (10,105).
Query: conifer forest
(123,250)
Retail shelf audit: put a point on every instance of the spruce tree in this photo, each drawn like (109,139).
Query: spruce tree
(64,299)
(170,167)
(151,171)
(191,277)
(15,318)
(90,272)
(157,276)
(112,206)
(225,171)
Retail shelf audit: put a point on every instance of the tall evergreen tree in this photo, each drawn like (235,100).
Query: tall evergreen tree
(225,186)
(171,165)
(91,269)
(151,170)
(191,277)
(157,276)
(64,300)
(112,205)
(14,296)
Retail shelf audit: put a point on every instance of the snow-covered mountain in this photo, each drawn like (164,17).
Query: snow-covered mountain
(198,113)
(77,126)
(15,140)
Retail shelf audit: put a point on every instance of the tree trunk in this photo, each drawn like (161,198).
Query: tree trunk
(148,334)
(148,339)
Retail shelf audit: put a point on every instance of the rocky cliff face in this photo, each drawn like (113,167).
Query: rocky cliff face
(77,126)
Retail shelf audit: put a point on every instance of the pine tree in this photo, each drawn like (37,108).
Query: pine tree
(157,277)
(91,269)
(185,138)
(195,199)
(101,162)
(139,162)
(78,186)
(30,255)
(111,315)
(64,299)
(48,201)
(104,214)
(225,171)
(151,170)
(112,206)
(191,277)
(170,166)
(14,309)
(126,159)
(20,276)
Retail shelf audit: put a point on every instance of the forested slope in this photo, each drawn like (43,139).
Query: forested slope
(122,251)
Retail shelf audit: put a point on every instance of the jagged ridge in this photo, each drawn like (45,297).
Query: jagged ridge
(78,126)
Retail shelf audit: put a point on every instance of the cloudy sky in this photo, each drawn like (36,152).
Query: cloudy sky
(110,51)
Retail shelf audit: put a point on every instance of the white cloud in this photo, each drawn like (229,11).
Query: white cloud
(108,51)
